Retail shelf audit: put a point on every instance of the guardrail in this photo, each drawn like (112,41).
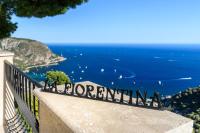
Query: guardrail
(21,106)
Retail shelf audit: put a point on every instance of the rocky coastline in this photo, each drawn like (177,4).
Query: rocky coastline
(51,63)
(30,53)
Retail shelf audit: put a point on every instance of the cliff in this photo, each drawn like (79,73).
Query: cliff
(29,53)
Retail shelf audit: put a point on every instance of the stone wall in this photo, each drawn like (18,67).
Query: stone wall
(50,122)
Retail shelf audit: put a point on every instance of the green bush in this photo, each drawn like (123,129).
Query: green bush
(196,125)
(187,103)
(58,76)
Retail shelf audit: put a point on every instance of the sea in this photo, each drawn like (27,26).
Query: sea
(168,69)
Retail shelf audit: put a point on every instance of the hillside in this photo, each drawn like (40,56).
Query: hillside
(29,53)
(187,103)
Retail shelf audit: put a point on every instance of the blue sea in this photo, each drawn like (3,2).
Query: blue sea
(168,69)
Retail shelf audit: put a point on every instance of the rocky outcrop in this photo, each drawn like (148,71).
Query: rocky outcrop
(29,53)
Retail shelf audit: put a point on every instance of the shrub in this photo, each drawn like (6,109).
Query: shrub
(58,76)
(196,125)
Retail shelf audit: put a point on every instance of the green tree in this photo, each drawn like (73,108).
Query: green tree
(6,26)
(31,8)
(58,76)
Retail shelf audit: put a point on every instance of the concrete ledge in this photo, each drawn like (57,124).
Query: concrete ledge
(185,128)
(84,115)
(50,122)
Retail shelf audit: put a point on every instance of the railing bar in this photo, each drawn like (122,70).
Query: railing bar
(22,87)
(26,93)
(6,66)
(13,76)
(9,73)
(34,109)
(14,80)
(38,108)
(34,100)
(17,82)
(21,93)
(6,69)
(18,85)
(29,89)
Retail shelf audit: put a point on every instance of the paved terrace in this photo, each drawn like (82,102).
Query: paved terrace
(72,114)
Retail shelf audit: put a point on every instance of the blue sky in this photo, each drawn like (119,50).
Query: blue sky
(119,21)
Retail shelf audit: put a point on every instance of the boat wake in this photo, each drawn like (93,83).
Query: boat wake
(116,59)
(186,78)
(170,60)
(130,77)
(156,57)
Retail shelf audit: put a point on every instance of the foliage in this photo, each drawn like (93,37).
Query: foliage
(58,76)
(31,8)
(187,104)
(6,26)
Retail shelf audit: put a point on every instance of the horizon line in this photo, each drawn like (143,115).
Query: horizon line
(118,43)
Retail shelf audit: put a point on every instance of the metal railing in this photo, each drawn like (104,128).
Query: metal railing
(21,109)
(101,93)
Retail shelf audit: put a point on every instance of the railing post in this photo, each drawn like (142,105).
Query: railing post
(9,57)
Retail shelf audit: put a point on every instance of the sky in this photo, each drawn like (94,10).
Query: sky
(118,21)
